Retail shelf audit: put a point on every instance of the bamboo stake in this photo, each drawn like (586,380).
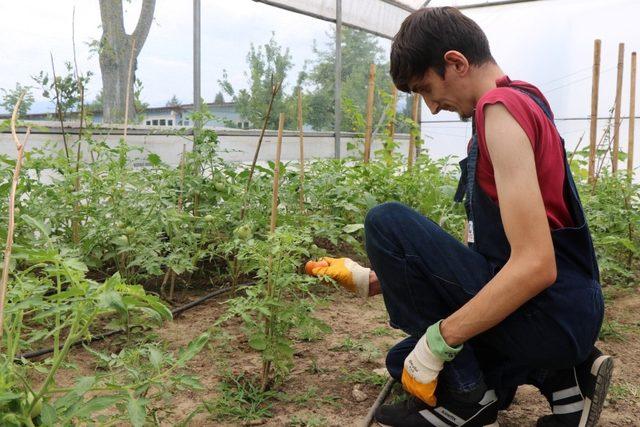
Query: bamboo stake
(368,130)
(632,120)
(275,88)
(412,136)
(12,210)
(126,105)
(266,364)
(300,125)
(617,121)
(595,87)
(180,209)
(392,121)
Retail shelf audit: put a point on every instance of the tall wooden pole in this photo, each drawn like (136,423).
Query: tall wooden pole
(369,129)
(595,87)
(300,123)
(616,134)
(338,81)
(276,175)
(412,136)
(632,119)
(268,321)
(392,118)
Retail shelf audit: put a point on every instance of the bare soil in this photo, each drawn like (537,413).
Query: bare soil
(319,391)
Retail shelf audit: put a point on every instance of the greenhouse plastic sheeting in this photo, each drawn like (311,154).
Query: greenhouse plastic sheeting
(381,17)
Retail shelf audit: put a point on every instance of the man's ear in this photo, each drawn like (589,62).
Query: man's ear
(457,62)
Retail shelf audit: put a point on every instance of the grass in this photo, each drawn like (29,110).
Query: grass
(363,376)
(624,391)
(241,399)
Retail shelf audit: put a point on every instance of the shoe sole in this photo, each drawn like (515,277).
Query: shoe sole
(602,369)
(488,425)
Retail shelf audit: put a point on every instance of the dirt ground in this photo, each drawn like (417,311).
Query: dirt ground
(320,389)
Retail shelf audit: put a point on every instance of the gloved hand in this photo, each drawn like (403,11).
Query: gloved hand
(423,365)
(347,272)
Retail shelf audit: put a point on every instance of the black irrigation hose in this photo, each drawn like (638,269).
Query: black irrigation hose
(379,401)
(175,311)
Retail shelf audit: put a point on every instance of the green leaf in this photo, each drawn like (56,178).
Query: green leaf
(352,228)
(154,159)
(113,300)
(258,342)
(155,357)
(48,415)
(137,411)
(37,224)
(75,264)
(96,404)
(193,348)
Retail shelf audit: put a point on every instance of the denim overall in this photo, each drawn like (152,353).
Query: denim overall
(574,302)
(426,274)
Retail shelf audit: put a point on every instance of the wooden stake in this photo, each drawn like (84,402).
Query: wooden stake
(632,119)
(126,105)
(412,136)
(616,135)
(276,175)
(392,118)
(180,209)
(275,88)
(595,88)
(4,282)
(268,321)
(369,130)
(300,124)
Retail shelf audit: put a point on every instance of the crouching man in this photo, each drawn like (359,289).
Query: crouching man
(521,303)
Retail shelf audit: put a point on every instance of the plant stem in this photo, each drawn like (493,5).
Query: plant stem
(12,211)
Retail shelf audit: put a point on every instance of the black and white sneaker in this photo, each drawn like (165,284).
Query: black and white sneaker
(577,395)
(415,413)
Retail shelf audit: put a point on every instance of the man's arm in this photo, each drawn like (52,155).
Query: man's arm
(531,267)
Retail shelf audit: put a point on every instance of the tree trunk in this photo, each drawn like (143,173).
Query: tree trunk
(115,54)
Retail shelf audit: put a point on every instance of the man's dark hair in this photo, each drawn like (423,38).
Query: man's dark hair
(426,35)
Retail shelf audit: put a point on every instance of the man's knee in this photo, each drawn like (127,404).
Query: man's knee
(383,214)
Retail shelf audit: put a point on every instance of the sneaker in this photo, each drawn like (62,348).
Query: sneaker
(577,395)
(413,412)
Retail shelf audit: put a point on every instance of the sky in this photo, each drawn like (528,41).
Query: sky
(548,43)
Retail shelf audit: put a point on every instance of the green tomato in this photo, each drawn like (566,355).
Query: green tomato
(129,230)
(208,218)
(243,232)
(219,186)
(125,239)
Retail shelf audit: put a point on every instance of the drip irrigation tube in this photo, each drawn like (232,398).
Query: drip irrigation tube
(175,312)
(379,401)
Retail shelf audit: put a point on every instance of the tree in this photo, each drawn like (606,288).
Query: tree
(268,64)
(116,48)
(10,98)
(359,50)
(173,102)
(219,99)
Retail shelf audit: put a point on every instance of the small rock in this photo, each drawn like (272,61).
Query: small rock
(358,394)
(382,372)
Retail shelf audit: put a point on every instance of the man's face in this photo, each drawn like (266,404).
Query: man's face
(449,93)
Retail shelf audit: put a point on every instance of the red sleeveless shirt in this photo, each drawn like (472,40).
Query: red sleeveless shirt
(545,141)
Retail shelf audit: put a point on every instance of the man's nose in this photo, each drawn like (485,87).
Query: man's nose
(433,106)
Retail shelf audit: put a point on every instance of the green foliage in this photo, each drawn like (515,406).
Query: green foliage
(359,50)
(241,400)
(268,64)
(10,98)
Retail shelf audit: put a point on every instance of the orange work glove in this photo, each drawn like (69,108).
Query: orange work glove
(351,275)
(423,365)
